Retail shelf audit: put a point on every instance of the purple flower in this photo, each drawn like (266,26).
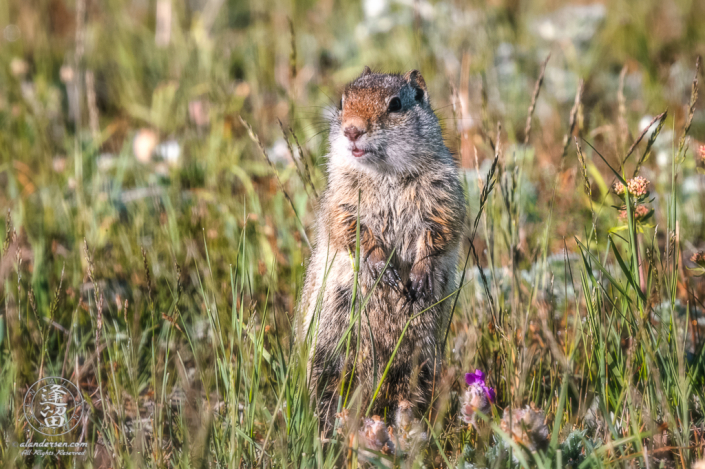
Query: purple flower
(478,379)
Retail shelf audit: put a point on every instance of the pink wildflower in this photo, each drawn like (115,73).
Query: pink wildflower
(638,186)
(618,188)
(640,212)
(698,258)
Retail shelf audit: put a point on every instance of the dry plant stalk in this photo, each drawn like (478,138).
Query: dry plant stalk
(18,262)
(93,121)
(484,195)
(8,233)
(652,139)
(572,118)
(454,103)
(172,319)
(255,138)
(303,175)
(534,98)
(691,107)
(97,294)
(99,300)
(305,162)
(586,184)
(641,136)
(623,128)
(162,27)
(147,274)
(583,168)
(485,114)
(32,301)
(292,57)
(55,302)
(78,56)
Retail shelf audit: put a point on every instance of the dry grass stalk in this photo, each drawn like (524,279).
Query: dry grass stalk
(455,104)
(255,138)
(162,29)
(534,98)
(647,152)
(586,184)
(292,56)
(572,119)
(8,233)
(485,114)
(691,107)
(147,274)
(641,136)
(583,168)
(302,174)
(78,56)
(93,121)
(622,127)
(307,162)
(91,275)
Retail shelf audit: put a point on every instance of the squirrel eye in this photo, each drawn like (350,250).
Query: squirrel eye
(340,104)
(394,105)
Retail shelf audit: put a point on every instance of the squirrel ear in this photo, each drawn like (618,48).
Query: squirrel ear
(414,78)
(366,71)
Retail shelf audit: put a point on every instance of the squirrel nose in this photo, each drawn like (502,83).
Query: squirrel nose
(353,133)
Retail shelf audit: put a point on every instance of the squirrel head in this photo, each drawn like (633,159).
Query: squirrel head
(385,125)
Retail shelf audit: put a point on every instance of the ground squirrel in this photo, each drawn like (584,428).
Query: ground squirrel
(386,144)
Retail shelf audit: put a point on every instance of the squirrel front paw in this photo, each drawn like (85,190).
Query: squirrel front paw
(421,282)
(389,275)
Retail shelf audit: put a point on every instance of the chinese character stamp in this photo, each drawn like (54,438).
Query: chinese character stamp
(53,406)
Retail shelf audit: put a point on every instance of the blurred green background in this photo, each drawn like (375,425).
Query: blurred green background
(120,124)
(84,84)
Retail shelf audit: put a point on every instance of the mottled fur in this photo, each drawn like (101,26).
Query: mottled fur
(411,202)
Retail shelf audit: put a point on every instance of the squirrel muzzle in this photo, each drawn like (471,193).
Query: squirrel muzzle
(353,127)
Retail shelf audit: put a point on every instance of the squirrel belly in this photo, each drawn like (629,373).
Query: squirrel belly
(392,180)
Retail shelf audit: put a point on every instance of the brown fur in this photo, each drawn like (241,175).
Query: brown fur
(411,204)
